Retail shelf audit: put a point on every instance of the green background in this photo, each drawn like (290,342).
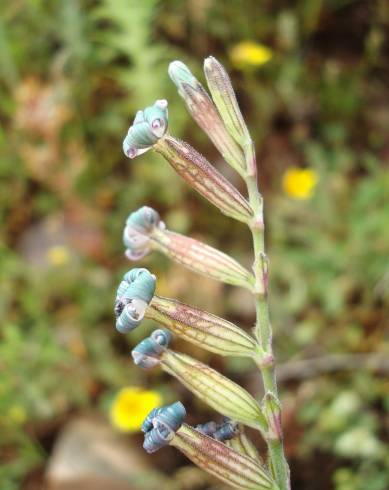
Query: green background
(73,73)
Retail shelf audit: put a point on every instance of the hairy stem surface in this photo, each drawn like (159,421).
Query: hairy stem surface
(263,329)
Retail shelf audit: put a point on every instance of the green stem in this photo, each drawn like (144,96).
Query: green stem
(263,329)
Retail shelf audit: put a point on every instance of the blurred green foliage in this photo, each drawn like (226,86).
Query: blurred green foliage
(73,75)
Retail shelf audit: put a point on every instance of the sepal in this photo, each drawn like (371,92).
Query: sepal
(215,457)
(224,97)
(204,178)
(145,231)
(204,329)
(240,442)
(214,389)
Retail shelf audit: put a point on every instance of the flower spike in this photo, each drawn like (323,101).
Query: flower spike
(133,295)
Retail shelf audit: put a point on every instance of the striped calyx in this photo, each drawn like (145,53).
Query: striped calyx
(215,457)
(204,178)
(219,392)
(224,97)
(242,444)
(145,231)
(214,389)
(202,328)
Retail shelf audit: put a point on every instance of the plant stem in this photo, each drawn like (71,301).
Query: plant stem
(263,329)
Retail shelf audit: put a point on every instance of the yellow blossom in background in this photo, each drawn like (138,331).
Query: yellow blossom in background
(250,53)
(131,406)
(299,183)
(58,255)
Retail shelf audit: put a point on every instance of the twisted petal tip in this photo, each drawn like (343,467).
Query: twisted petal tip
(148,127)
(161,424)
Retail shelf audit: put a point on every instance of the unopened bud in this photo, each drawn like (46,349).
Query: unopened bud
(161,425)
(145,231)
(206,114)
(224,97)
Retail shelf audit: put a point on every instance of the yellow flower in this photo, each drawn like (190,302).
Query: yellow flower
(58,255)
(131,406)
(299,183)
(250,53)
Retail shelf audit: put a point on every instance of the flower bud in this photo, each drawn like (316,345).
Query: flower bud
(202,328)
(164,426)
(138,232)
(206,115)
(224,98)
(133,295)
(221,432)
(204,178)
(219,392)
(145,231)
(161,424)
(148,126)
(215,457)
(147,353)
